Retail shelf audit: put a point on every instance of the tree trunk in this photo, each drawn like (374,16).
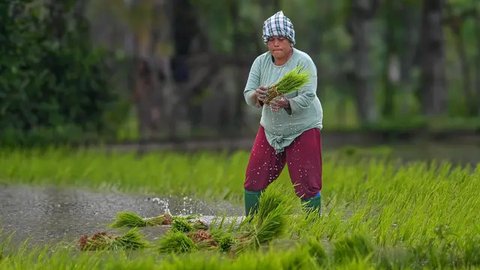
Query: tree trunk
(56,23)
(477,75)
(411,17)
(456,24)
(143,89)
(240,78)
(154,87)
(362,14)
(432,86)
(388,108)
(165,95)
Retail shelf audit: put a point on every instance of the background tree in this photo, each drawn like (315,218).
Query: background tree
(53,84)
(179,67)
(461,18)
(360,27)
(433,84)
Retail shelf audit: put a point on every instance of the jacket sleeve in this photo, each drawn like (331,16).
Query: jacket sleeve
(253,82)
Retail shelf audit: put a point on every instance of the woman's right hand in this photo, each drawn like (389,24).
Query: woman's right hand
(261,93)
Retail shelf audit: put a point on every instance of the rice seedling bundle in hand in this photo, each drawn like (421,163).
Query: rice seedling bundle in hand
(290,82)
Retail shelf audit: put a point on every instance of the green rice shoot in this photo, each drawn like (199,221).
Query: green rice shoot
(132,219)
(377,212)
(290,82)
(128,219)
(268,223)
(176,242)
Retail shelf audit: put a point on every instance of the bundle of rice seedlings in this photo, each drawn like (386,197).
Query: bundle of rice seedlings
(225,239)
(226,243)
(181,224)
(203,239)
(199,225)
(176,242)
(165,219)
(272,227)
(105,241)
(267,224)
(290,82)
(131,219)
(132,239)
(128,219)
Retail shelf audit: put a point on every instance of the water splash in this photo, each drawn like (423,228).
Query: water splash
(187,206)
(162,202)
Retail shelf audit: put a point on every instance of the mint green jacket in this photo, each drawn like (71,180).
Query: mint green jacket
(281,128)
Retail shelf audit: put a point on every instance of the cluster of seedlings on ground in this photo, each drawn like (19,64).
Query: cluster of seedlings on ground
(190,233)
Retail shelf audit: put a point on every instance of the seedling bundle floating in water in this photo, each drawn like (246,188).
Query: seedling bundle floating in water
(291,81)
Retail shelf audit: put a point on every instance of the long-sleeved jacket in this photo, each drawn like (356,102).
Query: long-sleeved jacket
(282,128)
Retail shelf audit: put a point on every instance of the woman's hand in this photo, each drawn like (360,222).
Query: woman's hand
(279,103)
(260,95)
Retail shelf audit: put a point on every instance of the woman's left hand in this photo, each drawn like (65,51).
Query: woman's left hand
(279,103)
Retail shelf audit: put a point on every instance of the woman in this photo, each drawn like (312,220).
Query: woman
(290,125)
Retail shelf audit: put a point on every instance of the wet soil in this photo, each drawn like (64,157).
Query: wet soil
(47,215)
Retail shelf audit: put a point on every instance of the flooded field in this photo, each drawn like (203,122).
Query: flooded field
(49,214)
(385,206)
(46,214)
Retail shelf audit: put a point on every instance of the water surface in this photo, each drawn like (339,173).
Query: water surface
(46,215)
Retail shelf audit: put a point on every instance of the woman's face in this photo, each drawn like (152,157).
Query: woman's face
(280,48)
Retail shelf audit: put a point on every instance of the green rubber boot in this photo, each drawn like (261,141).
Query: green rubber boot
(251,201)
(313,204)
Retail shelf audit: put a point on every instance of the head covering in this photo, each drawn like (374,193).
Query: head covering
(278,25)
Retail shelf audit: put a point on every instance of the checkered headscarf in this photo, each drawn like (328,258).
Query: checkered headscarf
(278,25)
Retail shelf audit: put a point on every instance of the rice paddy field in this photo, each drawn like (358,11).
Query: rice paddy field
(378,212)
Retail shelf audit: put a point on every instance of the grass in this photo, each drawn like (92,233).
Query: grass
(377,212)
(128,172)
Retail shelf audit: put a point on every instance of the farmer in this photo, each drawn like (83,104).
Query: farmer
(289,131)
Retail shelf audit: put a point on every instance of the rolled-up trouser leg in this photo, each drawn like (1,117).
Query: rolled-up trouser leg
(264,165)
(304,161)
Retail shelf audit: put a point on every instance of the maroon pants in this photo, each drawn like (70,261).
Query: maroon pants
(304,159)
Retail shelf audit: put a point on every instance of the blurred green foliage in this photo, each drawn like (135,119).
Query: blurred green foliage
(53,84)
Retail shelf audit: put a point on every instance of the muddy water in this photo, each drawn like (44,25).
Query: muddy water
(46,215)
